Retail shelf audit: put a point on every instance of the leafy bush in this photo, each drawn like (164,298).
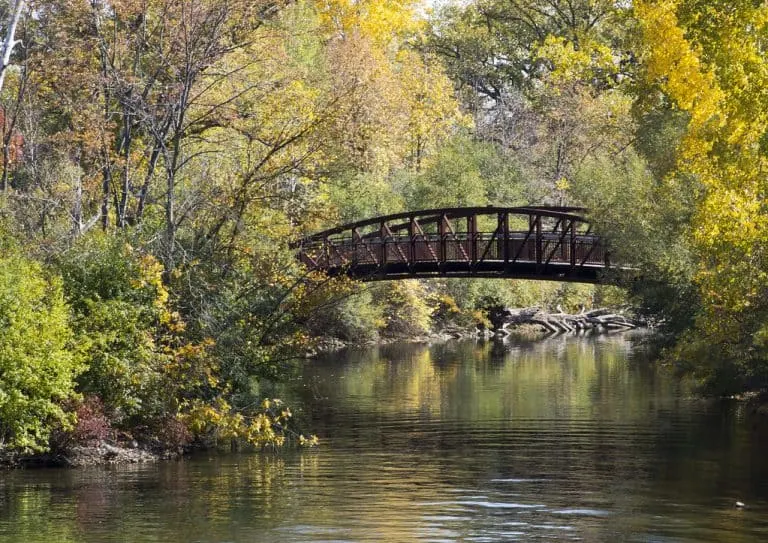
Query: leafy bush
(269,424)
(119,303)
(37,363)
(407,307)
(448,313)
(354,318)
(92,424)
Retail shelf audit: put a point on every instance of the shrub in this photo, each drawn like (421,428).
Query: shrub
(408,307)
(354,318)
(119,305)
(92,424)
(37,364)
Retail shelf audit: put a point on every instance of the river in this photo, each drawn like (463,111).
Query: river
(569,439)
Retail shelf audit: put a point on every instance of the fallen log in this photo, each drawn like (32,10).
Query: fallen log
(561,322)
(546,324)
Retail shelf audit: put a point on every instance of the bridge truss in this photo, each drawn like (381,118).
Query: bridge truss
(554,243)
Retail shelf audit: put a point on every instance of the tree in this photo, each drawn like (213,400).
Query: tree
(9,41)
(709,61)
(465,172)
(543,79)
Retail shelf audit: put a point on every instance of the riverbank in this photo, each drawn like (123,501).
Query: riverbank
(112,451)
(505,323)
(103,453)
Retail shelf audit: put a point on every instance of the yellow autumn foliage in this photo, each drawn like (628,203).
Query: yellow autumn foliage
(380,20)
(570,63)
(709,60)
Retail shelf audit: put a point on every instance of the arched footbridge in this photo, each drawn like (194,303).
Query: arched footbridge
(537,242)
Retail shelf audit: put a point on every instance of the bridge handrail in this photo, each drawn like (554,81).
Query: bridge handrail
(455,212)
(434,236)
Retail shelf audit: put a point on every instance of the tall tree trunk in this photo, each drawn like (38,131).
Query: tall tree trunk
(10,42)
(77,208)
(144,192)
(106,170)
(9,125)
(172,166)
(106,183)
(170,217)
(125,149)
(6,154)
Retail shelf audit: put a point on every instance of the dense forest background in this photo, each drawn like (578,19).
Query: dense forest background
(159,157)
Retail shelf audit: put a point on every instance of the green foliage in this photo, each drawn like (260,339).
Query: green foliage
(407,307)
(659,133)
(647,224)
(251,305)
(118,301)
(211,156)
(448,313)
(610,296)
(474,35)
(571,297)
(484,294)
(464,172)
(707,60)
(355,318)
(103,267)
(219,423)
(37,363)
(646,221)
(144,364)
(544,80)
(359,195)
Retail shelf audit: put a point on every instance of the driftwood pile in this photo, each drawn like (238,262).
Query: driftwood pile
(558,323)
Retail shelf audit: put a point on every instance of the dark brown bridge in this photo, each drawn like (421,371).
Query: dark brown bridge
(553,243)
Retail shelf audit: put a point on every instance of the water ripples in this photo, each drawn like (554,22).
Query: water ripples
(564,441)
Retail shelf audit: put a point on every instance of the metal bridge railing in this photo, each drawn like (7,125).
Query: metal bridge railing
(558,242)
(468,248)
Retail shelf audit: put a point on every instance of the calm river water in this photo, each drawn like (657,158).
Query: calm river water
(568,439)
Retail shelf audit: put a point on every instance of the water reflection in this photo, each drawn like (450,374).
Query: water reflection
(570,439)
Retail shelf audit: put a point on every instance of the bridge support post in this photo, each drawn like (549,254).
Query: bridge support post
(441,256)
(573,246)
(567,225)
(539,244)
(503,229)
(383,248)
(412,241)
(472,236)
(357,241)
